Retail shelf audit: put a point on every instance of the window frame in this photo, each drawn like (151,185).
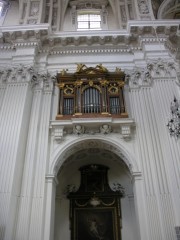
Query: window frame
(89,21)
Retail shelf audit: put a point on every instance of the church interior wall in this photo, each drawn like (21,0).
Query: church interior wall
(32,140)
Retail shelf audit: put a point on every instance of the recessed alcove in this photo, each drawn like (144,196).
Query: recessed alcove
(69,175)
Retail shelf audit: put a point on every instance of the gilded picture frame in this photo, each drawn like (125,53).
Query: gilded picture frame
(95,224)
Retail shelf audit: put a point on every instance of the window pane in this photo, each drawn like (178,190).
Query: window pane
(89,21)
(83,25)
(95,25)
(83,17)
(94,17)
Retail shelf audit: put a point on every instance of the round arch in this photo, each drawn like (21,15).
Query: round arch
(63,152)
(117,147)
(167,9)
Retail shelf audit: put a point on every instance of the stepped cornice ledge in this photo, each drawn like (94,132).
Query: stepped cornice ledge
(42,33)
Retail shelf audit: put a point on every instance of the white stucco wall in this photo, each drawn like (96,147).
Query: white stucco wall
(12,16)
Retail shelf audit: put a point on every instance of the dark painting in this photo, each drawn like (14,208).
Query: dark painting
(95,224)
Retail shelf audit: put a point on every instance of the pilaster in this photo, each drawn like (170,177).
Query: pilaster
(151,139)
(165,89)
(26,195)
(14,118)
(51,183)
(140,207)
(36,228)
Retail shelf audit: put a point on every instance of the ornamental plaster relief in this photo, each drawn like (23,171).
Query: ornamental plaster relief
(43,81)
(60,131)
(138,78)
(19,74)
(143,7)
(143,77)
(34,9)
(28,74)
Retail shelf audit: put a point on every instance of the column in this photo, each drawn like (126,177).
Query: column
(51,183)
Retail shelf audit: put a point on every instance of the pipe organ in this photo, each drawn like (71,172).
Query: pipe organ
(91,91)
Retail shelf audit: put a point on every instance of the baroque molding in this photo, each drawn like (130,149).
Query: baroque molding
(155,69)
(27,74)
(85,126)
(41,35)
(16,74)
(44,81)
(85,50)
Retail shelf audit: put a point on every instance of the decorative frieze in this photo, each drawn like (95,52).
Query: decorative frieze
(27,74)
(105,129)
(161,68)
(143,77)
(78,129)
(138,78)
(16,74)
(86,126)
(102,42)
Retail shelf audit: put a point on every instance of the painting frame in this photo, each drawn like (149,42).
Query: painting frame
(96,223)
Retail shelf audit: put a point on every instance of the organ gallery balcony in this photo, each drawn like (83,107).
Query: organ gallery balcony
(91,92)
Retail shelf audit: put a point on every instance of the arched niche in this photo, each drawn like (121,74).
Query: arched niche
(69,175)
(169,10)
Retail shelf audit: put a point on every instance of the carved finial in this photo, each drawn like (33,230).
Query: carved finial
(64,71)
(101,67)
(118,70)
(80,67)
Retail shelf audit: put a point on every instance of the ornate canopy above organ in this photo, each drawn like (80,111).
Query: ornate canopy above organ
(92,91)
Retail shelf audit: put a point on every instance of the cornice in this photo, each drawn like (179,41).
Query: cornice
(93,126)
(23,35)
(89,50)
(6,47)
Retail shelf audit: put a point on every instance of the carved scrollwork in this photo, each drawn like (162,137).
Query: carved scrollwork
(159,68)
(68,90)
(113,89)
(143,7)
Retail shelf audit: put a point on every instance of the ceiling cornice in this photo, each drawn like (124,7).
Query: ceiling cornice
(136,33)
